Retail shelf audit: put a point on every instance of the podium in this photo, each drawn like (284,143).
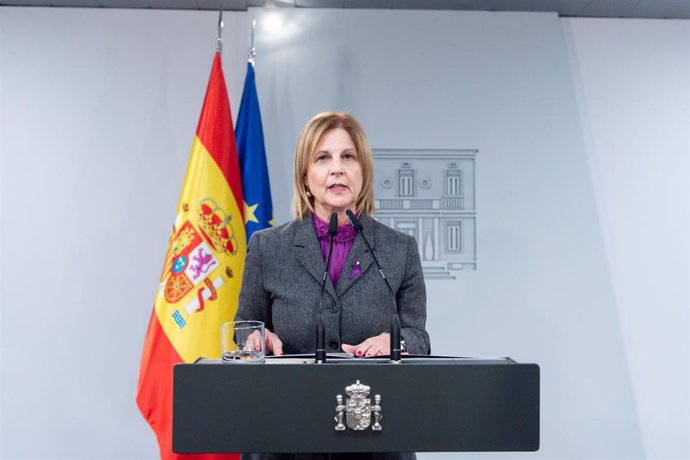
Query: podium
(289,404)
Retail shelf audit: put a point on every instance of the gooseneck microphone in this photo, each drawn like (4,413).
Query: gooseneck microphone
(395,319)
(320,331)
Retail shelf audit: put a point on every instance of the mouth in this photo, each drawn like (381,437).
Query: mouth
(338,188)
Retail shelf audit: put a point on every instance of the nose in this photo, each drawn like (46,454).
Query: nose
(337,169)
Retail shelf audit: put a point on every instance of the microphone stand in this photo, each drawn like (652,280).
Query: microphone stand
(320,330)
(395,319)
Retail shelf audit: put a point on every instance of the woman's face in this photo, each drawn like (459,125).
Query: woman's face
(334,175)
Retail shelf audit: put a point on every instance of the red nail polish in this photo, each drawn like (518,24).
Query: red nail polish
(359,353)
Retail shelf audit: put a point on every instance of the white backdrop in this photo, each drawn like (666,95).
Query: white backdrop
(582,128)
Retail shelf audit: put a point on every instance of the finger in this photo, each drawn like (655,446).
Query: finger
(382,351)
(252,342)
(377,351)
(277,346)
(274,344)
(268,347)
(371,349)
(382,346)
(351,349)
(256,340)
(374,349)
(364,348)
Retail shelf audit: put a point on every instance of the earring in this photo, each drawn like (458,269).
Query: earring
(309,195)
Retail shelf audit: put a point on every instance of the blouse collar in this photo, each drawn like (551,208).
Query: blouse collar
(345,231)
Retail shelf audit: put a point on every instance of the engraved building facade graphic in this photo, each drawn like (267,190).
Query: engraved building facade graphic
(430,194)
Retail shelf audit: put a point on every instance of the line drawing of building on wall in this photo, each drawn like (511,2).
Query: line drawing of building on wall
(430,194)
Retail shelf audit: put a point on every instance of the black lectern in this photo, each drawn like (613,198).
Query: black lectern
(291,405)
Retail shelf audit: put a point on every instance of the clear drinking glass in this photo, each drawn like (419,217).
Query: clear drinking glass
(243,342)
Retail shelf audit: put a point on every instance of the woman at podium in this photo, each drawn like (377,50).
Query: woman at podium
(285,265)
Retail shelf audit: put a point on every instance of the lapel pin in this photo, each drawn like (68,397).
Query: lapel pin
(356,271)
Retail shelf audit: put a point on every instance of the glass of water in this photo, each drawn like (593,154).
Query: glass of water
(243,342)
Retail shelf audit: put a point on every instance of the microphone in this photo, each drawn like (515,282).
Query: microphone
(395,319)
(320,330)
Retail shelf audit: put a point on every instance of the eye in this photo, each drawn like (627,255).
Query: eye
(349,156)
(321,157)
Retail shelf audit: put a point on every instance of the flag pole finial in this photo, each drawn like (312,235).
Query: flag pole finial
(220,31)
(252,50)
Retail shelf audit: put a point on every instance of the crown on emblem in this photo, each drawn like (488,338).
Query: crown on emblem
(216,225)
(357,390)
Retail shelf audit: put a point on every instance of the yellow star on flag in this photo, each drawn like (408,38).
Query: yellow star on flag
(249,213)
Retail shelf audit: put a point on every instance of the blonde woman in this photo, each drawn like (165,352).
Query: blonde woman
(333,172)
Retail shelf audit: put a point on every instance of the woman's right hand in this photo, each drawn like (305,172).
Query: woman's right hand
(273,343)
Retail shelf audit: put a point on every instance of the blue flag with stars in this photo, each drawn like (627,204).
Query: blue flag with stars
(256,189)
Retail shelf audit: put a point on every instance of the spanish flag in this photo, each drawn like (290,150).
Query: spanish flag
(200,283)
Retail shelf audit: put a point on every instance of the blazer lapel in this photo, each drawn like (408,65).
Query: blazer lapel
(358,253)
(308,252)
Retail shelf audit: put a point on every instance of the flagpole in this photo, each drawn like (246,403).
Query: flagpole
(251,150)
(220,31)
(252,50)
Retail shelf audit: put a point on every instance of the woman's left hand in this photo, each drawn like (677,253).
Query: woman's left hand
(378,345)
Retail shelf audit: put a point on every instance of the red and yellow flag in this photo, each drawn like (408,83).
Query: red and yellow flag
(200,283)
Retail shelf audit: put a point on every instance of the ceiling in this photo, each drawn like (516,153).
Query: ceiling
(658,9)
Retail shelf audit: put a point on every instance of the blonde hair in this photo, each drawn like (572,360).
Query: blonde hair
(309,138)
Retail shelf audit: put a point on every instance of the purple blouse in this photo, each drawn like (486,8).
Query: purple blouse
(341,246)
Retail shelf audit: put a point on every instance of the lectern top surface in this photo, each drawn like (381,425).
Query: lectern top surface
(345,359)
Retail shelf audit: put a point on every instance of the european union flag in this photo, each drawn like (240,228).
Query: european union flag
(258,208)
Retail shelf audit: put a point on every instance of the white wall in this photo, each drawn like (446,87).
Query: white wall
(98,116)
(583,132)
(632,82)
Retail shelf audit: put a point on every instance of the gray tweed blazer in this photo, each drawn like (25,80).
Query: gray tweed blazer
(282,278)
